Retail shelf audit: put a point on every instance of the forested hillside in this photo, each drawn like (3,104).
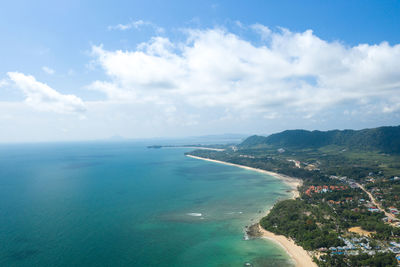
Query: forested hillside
(384,139)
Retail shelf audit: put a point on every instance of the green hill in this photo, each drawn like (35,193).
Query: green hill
(384,139)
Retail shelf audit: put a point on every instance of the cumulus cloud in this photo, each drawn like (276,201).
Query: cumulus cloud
(42,97)
(295,71)
(138,24)
(48,70)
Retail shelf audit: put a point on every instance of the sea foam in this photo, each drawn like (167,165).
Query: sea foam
(194,214)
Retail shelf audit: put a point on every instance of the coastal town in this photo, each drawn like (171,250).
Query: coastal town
(358,241)
(346,211)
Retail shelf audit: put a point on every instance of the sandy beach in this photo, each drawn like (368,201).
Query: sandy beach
(204,148)
(196,147)
(292,182)
(297,253)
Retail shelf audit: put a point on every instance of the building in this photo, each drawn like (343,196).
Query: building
(394,210)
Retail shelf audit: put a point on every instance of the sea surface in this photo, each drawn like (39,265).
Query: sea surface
(122,204)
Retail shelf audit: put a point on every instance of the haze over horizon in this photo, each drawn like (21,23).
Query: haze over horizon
(80,71)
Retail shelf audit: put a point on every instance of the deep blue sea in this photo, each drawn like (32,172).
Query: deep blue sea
(122,204)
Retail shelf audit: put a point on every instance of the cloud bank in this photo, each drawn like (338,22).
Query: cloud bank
(211,81)
(285,72)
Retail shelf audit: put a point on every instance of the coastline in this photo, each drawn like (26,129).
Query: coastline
(205,148)
(291,181)
(299,255)
(196,147)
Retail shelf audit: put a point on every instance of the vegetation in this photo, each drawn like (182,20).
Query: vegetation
(298,220)
(331,164)
(384,139)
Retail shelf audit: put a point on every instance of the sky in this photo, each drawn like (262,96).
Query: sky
(73,71)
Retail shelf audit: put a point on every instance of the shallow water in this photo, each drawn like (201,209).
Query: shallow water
(121,204)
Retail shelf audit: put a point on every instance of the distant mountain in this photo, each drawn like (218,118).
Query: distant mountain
(385,139)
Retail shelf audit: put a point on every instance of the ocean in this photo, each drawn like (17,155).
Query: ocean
(122,204)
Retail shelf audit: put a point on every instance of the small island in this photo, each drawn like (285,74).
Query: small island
(155,146)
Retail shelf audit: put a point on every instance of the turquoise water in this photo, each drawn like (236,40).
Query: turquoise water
(121,204)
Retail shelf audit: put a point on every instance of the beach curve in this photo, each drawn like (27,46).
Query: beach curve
(299,255)
(291,181)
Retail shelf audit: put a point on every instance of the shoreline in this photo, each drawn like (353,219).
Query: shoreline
(299,255)
(205,148)
(290,181)
(196,147)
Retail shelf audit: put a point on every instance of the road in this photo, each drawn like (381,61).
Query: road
(389,215)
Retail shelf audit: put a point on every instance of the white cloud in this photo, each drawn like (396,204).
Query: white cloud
(262,30)
(215,81)
(42,97)
(138,24)
(3,83)
(289,72)
(48,70)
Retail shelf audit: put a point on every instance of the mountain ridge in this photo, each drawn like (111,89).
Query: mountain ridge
(385,139)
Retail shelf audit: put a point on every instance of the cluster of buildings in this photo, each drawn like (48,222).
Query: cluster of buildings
(374,209)
(355,246)
(393,210)
(378,195)
(370,206)
(324,189)
(347,199)
(376,192)
(393,222)
(344,179)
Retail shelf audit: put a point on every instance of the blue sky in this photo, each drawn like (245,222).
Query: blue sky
(79,71)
